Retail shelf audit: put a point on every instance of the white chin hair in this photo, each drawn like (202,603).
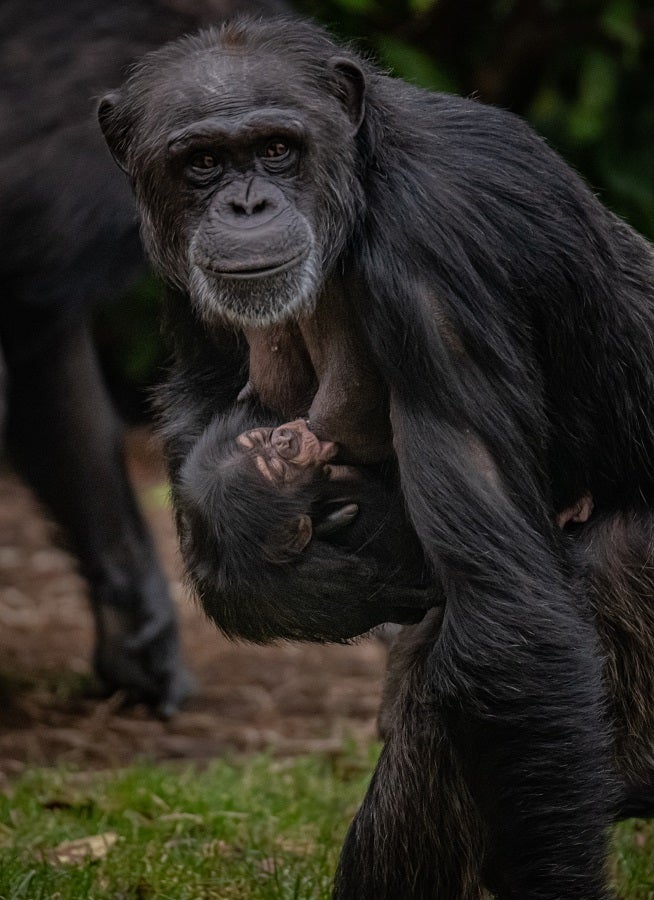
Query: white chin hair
(255,302)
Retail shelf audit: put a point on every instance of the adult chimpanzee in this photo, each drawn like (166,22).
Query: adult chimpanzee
(68,239)
(509,317)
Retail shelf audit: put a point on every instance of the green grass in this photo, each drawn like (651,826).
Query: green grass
(633,860)
(262,828)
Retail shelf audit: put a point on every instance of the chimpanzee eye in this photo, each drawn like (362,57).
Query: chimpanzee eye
(277,466)
(203,161)
(276,149)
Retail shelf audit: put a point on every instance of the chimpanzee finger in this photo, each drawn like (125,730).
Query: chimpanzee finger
(409,597)
(337,519)
(341,473)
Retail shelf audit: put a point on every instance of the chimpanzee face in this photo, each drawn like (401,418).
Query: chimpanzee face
(287,455)
(243,180)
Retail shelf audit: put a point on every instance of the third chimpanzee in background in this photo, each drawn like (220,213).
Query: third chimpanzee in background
(68,240)
(508,317)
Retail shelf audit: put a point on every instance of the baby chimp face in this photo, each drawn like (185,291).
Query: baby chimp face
(290,454)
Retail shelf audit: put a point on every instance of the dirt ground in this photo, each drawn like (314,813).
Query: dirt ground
(290,698)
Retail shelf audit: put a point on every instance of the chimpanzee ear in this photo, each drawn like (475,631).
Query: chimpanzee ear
(289,540)
(115,128)
(350,88)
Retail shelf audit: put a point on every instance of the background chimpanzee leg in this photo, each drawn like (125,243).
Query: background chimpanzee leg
(69,241)
(3,397)
(67,441)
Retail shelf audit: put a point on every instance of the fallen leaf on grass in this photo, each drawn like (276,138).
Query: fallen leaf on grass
(640,839)
(268,866)
(95,846)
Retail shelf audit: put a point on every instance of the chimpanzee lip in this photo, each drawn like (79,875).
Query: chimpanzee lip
(246,274)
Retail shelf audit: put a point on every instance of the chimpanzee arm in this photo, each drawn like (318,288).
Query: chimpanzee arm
(324,593)
(515,690)
(204,379)
(514,675)
(517,647)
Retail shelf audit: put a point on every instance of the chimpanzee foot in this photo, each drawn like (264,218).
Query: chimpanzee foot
(142,659)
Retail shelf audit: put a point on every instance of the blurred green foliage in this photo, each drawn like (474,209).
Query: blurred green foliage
(130,347)
(582,71)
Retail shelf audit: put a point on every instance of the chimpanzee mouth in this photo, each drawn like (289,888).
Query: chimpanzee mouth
(251,274)
(254,297)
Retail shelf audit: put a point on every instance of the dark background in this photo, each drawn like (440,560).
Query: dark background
(581,71)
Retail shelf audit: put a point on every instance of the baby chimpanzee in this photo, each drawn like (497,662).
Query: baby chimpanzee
(291,461)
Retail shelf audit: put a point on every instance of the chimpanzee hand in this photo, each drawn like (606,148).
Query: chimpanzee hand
(337,508)
(367,500)
(338,517)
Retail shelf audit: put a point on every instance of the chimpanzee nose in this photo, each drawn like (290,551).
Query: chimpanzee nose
(250,206)
(253,198)
(282,439)
(285,443)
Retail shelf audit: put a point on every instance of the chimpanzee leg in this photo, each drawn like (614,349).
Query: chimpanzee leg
(3,398)
(436,817)
(614,554)
(403,642)
(67,441)
(509,695)
(418,833)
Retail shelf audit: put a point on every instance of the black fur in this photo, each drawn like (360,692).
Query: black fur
(511,317)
